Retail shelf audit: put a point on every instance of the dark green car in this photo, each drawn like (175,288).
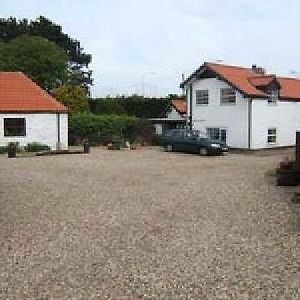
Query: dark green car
(195,141)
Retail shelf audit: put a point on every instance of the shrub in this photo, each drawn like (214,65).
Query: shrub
(3,149)
(100,129)
(35,147)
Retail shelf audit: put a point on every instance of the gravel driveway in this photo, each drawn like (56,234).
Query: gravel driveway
(146,224)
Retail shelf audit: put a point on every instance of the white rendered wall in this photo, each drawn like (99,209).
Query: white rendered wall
(174,115)
(232,117)
(41,128)
(284,116)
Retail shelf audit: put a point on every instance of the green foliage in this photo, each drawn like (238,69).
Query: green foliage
(78,60)
(36,147)
(37,57)
(72,97)
(100,129)
(3,149)
(137,106)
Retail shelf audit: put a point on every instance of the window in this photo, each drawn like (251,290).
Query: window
(228,96)
(201,97)
(272,134)
(273,97)
(14,127)
(218,134)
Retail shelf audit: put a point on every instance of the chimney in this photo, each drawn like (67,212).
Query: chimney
(259,70)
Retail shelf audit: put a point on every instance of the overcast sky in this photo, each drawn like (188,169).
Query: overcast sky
(155,41)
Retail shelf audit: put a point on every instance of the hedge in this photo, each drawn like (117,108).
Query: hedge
(99,129)
(137,106)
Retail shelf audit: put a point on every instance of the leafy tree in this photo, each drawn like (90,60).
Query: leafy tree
(40,59)
(72,97)
(78,60)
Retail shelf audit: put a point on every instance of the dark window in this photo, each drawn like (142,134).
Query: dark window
(14,127)
(201,97)
(218,134)
(272,135)
(228,96)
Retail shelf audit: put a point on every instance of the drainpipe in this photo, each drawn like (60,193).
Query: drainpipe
(249,122)
(191,107)
(58,146)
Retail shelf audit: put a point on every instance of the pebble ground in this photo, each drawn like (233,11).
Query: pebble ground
(147,224)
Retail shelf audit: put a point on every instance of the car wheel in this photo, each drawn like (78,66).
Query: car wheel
(203,151)
(169,148)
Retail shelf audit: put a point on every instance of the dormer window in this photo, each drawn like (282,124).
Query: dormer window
(273,97)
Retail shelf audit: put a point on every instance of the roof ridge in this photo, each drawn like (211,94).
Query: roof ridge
(229,66)
(288,78)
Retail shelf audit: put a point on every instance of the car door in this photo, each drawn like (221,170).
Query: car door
(178,140)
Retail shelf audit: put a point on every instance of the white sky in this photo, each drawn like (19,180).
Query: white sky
(132,39)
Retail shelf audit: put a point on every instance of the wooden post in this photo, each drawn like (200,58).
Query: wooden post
(298,150)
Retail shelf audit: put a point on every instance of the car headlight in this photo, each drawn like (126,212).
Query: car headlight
(215,145)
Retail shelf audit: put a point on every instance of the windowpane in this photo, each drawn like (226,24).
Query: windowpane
(228,95)
(14,127)
(218,134)
(272,135)
(201,97)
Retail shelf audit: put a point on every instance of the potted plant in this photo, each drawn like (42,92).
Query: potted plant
(12,150)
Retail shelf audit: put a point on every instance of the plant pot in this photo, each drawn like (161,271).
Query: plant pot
(12,150)
(287,178)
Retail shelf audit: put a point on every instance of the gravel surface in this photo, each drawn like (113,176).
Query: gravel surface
(147,224)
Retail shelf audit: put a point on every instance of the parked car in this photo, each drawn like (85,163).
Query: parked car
(192,141)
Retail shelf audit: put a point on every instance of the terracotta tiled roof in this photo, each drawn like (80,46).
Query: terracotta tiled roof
(247,81)
(259,81)
(238,77)
(179,105)
(289,87)
(18,93)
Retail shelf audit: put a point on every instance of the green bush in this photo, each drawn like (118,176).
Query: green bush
(3,149)
(36,147)
(100,129)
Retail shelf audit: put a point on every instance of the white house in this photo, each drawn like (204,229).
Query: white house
(174,116)
(245,107)
(28,114)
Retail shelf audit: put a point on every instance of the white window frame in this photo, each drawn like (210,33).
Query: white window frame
(224,98)
(220,129)
(202,99)
(272,135)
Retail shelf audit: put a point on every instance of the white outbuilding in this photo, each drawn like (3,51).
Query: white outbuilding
(28,114)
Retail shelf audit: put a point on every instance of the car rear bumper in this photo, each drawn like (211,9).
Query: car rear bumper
(217,151)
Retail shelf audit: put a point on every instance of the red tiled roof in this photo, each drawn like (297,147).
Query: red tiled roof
(260,81)
(290,88)
(18,93)
(238,77)
(247,81)
(179,105)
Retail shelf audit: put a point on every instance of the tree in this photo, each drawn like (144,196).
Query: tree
(78,60)
(43,61)
(72,97)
